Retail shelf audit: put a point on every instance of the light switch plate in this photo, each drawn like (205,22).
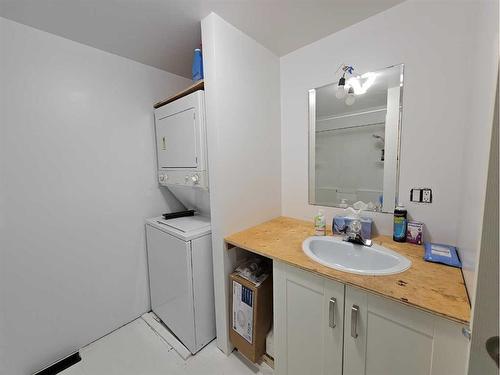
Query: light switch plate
(416,195)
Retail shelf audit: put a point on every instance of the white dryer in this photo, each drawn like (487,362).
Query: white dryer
(181,150)
(181,277)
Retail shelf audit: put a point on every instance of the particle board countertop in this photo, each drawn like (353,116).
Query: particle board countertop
(431,287)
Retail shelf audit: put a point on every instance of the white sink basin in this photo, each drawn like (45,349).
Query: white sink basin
(348,257)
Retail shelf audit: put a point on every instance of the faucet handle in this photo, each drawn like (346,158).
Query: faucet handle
(343,230)
(355,226)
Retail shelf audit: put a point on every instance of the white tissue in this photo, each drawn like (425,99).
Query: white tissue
(352,213)
(360,205)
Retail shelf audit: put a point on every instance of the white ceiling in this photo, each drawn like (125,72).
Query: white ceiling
(163,33)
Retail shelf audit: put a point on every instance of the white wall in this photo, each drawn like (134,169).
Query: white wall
(435,40)
(77,179)
(476,147)
(243,125)
(485,323)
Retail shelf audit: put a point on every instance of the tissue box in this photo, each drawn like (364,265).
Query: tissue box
(341,222)
(414,232)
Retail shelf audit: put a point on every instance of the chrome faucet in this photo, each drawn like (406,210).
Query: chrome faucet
(353,234)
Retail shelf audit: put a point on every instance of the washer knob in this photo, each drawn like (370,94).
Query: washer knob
(196,179)
(163,178)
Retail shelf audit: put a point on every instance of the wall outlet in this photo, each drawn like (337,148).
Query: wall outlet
(426,196)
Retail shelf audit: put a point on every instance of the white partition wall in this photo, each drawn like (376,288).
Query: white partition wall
(243,125)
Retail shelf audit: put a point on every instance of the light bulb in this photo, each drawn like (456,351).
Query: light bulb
(340,92)
(350,97)
(350,100)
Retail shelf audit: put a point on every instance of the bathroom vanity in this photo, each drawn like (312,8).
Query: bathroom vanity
(380,310)
(332,322)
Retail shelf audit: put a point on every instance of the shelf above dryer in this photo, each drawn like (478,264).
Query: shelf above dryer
(198,85)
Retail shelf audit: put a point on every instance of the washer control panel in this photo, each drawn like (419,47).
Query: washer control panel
(183,178)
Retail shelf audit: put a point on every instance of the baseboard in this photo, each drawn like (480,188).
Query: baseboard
(60,365)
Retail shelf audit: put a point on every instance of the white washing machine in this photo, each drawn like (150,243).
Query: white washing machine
(181,277)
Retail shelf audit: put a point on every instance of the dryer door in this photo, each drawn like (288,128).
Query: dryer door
(176,140)
(171,283)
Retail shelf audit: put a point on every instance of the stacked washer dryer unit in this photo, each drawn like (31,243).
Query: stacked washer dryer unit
(180,249)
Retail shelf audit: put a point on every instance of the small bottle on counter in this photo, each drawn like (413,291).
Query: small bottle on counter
(400,224)
(320,224)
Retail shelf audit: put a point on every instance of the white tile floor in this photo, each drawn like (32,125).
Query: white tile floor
(136,350)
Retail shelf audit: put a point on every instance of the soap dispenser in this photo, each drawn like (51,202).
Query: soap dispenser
(320,223)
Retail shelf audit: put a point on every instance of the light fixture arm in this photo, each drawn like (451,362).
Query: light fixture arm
(346,69)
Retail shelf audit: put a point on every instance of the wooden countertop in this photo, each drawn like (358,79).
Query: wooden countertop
(431,287)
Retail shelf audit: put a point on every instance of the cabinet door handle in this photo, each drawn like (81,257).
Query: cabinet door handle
(331,311)
(354,321)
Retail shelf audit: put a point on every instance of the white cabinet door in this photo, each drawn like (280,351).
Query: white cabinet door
(308,323)
(382,337)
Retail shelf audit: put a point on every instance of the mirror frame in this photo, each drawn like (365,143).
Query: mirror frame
(312,141)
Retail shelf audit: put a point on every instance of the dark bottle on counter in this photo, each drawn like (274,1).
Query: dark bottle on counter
(400,224)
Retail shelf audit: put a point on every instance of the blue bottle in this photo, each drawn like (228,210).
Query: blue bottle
(197,70)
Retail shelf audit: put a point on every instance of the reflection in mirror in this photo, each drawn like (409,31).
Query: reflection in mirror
(354,141)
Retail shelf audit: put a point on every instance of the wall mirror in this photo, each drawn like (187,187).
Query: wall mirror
(354,142)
